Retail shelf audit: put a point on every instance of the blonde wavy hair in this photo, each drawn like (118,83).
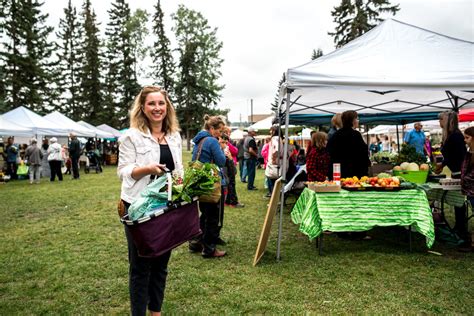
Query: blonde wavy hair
(319,139)
(138,118)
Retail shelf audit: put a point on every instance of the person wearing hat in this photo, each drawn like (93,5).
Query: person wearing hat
(55,159)
(416,138)
(250,157)
(33,157)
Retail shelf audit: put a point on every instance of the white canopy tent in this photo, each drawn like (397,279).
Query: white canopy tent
(237,134)
(395,73)
(70,125)
(111,130)
(98,132)
(39,125)
(8,128)
(431,126)
(265,124)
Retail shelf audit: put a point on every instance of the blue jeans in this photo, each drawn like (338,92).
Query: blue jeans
(243,170)
(251,163)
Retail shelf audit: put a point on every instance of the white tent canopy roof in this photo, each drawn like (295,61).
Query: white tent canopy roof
(8,128)
(265,124)
(393,69)
(39,125)
(98,132)
(109,129)
(70,125)
(237,134)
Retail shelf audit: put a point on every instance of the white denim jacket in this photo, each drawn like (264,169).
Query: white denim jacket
(137,149)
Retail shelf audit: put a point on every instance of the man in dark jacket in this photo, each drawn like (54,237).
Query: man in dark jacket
(74,154)
(250,157)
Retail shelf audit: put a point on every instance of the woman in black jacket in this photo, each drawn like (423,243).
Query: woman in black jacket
(348,148)
(453,149)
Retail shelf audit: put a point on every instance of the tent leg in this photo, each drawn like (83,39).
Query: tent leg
(398,140)
(285,162)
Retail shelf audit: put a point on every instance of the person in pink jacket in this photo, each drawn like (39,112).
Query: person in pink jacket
(231,198)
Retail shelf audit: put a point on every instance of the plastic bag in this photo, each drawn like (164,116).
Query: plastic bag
(22,170)
(150,199)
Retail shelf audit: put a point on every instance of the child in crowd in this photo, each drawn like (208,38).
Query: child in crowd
(317,160)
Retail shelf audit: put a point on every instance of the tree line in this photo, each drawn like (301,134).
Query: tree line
(75,70)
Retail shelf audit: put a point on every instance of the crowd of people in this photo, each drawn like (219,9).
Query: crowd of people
(51,159)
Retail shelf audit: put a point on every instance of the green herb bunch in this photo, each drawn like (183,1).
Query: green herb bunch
(198,179)
(408,153)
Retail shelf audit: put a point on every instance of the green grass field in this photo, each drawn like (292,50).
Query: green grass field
(63,251)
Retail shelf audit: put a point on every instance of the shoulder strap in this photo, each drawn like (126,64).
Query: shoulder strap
(201,142)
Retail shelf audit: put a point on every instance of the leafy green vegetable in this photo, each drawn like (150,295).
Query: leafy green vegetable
(408,153)
(384,157)
(199,179)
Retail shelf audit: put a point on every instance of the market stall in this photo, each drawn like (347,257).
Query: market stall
(394,74)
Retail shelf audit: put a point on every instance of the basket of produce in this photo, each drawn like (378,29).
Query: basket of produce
(325,186)
(167,213)
(412,172)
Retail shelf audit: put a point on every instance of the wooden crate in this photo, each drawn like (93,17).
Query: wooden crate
(323,188)
(111,159)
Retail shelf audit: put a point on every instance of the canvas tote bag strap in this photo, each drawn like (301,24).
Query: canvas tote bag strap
(198,155)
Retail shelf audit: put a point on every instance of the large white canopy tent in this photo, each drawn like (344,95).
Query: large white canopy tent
(39,125)
(70,125)
(8,128)
(98,132)
(395,73)
(109,129)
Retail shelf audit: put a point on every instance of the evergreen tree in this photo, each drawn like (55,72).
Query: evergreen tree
(197,89)
(91,108)
(121,81)
(4,4)
(69,62)
(316,53)
(163,64)
(138,31)
(277,96)
(355,17)
(26,54)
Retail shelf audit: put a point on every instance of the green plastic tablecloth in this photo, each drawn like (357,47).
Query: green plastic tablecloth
(362,210)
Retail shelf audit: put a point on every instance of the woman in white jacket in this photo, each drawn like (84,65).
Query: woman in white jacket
(55,159)
(151,145)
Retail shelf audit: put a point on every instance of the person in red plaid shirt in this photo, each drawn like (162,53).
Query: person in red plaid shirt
(317,160)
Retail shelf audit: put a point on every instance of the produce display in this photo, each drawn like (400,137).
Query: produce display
(411,166)
(382,180)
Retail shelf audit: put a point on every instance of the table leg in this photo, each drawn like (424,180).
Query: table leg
(321,244)
(409,237)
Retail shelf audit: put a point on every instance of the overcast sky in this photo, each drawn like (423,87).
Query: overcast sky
(263,38)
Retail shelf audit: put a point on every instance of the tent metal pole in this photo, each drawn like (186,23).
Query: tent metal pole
(283,174)
(398,140)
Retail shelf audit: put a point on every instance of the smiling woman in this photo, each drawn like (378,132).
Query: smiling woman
(151,146)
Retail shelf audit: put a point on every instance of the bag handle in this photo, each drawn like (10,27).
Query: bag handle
(198,155)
